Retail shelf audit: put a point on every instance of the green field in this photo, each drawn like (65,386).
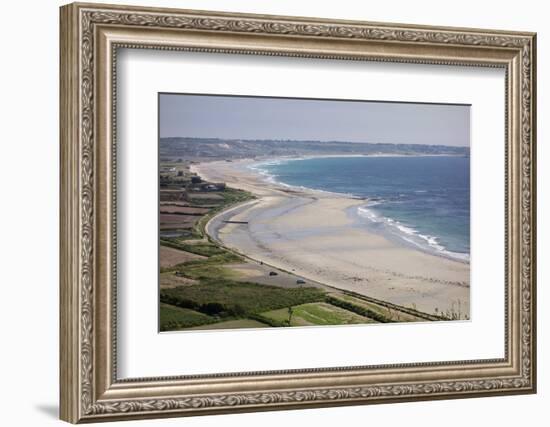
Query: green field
(226,298)
(379,312)
(173,318)
(315,314)
(201,248)
(208,271)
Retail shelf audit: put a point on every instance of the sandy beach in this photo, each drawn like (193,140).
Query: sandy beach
(311,234)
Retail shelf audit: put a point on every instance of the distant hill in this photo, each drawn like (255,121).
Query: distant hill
(212,148)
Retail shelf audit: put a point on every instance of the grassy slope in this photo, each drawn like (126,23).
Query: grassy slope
(382,311)
(172,318)
(227,298)
(315,314)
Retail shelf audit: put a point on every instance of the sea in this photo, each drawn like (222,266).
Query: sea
(419,201)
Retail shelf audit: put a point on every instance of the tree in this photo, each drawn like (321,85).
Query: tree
(290,311)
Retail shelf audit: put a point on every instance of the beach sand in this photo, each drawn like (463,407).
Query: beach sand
(311,234)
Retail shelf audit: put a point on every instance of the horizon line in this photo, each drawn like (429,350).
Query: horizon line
(313,140)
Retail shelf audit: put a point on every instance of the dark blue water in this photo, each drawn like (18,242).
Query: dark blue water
(422,201)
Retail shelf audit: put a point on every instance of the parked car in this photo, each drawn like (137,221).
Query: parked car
(273,273)
(300,282)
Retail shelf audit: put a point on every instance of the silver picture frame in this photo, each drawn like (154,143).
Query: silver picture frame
(90,37)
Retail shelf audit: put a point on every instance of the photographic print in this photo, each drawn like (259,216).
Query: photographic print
(282,212)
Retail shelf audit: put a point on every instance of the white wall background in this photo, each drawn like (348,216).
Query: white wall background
(29,170)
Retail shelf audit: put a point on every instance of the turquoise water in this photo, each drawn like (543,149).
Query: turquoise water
(419,201)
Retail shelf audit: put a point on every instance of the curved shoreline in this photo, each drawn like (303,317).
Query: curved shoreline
(309,234)
(218,217)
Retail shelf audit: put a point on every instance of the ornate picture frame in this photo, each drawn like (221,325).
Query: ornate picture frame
(90,37)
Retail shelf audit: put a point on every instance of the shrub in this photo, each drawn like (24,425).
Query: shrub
(212,308)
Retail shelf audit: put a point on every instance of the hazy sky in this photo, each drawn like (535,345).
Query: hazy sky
(234,117)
